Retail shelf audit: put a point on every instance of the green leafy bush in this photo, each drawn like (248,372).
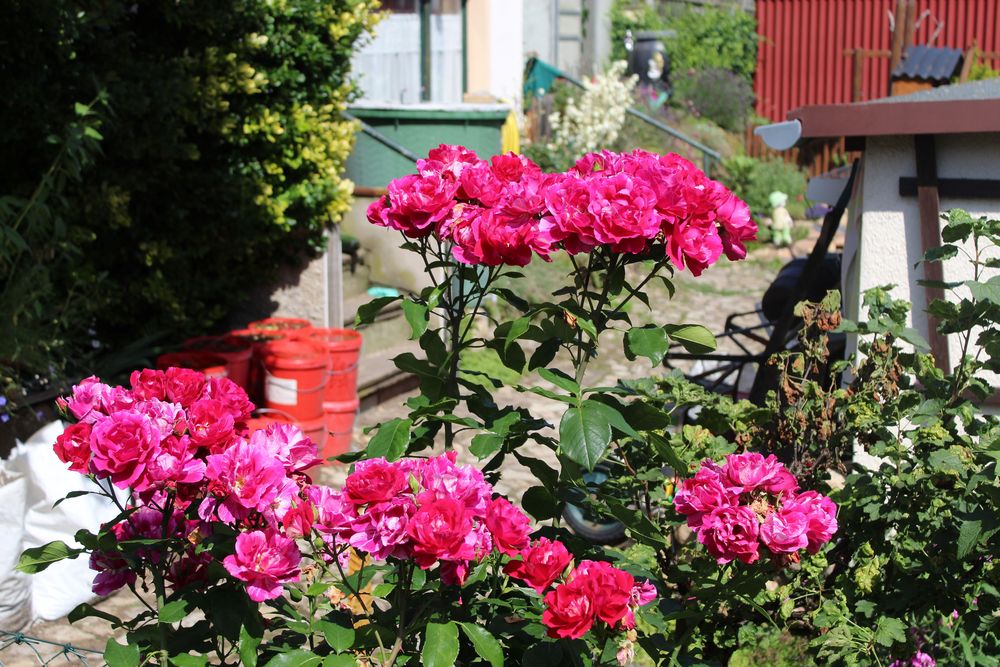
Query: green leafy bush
(905,450)
(713,39)
(222,148)
(717,94)
(753,180)
(634,15)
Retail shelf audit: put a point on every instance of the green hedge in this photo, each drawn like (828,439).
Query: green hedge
(221,155)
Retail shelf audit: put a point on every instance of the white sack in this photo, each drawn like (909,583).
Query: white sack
(15,587)
(63,585)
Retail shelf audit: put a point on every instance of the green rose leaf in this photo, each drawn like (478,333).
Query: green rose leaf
(695,338)
(366,313)
(296,658)
(117,655)
(391,440)
(486,645)
(38,558)
(648,341)
(440,645)
(585,433)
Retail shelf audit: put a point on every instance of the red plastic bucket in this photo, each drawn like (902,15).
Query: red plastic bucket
(281,324)
(262,421)
(209,364)
(294,378)
(236,351)
(340,417)
(257,339)
(316,430)
(343,347)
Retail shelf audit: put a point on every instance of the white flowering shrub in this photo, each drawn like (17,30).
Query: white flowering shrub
(593,120)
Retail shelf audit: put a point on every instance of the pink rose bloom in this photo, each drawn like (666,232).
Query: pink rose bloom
(694,244)
(298,520)
(175,462)
(509,526)
(751,470)
(512,168)
(625,654)
(643,593)
(568,202)
(737,227)
(415,204)
(731,532)
(265,561)
(73,446)
(453,573)
(540,564)
(440,478)
(210,424)
(191,569)
(526,197)
(232,396)
(117,399)
(703,493)
(610,589)
(381,530)
(334,515)
(821,513)
(86,402)
(784,531)
(288,444)
(113,572)
(782,483)
(569,610)
(148,384)
(244,478)
(374,481)
(447,161)
(184,385)
(439,531)
(169,418)
(623,212)
(122,444)
(479,183)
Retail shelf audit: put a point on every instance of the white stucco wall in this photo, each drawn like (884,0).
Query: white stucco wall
(883,234)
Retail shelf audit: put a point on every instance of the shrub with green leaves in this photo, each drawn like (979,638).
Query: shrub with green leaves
(717,94)
(754,180)
(904,448)
(222,152)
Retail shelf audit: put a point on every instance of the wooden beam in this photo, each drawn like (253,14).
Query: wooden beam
(955,188)
(896,54)
(930,237)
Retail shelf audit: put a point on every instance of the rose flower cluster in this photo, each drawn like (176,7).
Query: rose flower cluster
(591,591)
(178,440)
(435,512)
(505,210)
(753,500)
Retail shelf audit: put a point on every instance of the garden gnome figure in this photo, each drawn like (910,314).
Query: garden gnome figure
(781,221)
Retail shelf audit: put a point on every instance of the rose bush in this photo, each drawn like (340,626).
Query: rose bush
(417,555)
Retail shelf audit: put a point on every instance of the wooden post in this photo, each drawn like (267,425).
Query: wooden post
(334,278)
(930,237)
(970,59)
(859,73)
(899,28)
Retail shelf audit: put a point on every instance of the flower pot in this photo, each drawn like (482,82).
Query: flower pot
(340,418)
(210,364)
(294,378)
(343,347)
(237,352)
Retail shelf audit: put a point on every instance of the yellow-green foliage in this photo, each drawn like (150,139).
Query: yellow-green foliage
(222,149)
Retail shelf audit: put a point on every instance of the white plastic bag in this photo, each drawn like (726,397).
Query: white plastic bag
(15,587)
(63,585)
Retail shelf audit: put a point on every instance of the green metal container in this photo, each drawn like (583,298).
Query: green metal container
(393,135)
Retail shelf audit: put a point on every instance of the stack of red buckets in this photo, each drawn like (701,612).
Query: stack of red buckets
(293,372)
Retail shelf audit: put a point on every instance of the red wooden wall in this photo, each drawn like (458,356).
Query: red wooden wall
(801,57)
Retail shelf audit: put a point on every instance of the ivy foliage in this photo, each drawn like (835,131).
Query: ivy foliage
(221,147)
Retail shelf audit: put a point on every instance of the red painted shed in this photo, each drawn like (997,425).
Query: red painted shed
(804,54)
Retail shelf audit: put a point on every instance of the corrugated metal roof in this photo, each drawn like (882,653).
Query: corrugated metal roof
(928,63)
(973,90)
